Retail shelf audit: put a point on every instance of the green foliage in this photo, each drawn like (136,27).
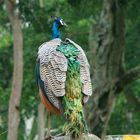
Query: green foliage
(6,68)
(132,50)
(125,117)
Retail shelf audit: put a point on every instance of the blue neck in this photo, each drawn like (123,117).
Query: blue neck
(55,30)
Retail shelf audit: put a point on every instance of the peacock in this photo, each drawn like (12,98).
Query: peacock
(63,78)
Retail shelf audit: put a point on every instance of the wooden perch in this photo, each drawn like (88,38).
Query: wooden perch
(84,137)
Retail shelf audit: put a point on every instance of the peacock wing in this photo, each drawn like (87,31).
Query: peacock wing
(53,67)
(84,72)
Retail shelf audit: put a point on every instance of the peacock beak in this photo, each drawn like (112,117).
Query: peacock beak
(63,23)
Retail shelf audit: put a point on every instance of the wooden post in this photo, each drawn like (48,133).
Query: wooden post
(84,137)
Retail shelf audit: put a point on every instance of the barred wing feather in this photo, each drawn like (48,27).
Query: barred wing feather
(84,72)
(53,67)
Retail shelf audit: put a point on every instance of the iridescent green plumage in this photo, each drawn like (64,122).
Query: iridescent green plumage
(72,101)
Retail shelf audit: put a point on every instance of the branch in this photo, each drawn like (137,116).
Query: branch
(10,9)
(127,78)
(131,98)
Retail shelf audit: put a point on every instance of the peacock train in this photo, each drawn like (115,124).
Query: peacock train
(63,78)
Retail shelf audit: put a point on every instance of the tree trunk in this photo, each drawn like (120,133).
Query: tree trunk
(41,122)
(13,114)
(108,65)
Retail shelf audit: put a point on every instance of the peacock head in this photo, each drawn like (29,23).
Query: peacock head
(58,22)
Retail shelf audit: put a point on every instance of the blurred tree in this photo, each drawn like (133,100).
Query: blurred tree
(14,102)
(41,121)
(126,113)
(110,74)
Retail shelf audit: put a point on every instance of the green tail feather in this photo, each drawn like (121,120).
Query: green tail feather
(72,101)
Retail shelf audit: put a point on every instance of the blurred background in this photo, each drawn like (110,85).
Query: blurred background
(108,31)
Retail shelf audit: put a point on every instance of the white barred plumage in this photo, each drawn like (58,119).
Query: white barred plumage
(53,67)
